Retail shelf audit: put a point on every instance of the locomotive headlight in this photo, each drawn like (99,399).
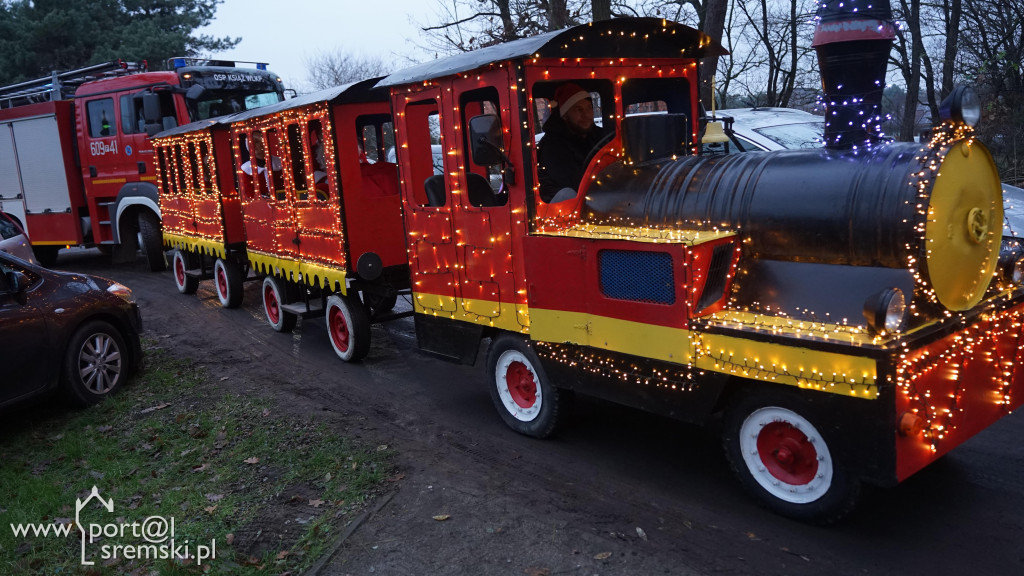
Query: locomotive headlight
(885,311)
(962,105)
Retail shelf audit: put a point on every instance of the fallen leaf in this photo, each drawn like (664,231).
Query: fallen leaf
(282,554)
(266,412)
(531,571)
(200,468)
(396,477)
(104,428)
(210,509)
(640,532)
(316,503)
(67,521)
(355,465)
(230,539)
(442,517)
(327,477)
(382,447)
(252,460)
(223,378)
(214,497)
(153,408)
(603,556)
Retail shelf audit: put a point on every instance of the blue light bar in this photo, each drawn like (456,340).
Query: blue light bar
(179,63)
(261,66)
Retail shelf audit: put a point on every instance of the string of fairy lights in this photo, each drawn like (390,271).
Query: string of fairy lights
(457,249)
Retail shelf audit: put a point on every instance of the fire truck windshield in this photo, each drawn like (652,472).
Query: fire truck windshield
(219,103)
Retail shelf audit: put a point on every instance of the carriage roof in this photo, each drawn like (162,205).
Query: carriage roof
(615,38)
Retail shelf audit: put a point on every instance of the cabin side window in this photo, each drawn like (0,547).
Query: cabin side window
(425,157)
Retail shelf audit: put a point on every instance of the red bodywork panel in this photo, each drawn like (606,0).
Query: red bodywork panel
(53,227)
(959,385)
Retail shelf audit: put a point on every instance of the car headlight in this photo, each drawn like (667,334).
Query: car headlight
(122,291)
(886,311)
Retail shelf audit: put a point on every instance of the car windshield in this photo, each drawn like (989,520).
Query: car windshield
(793,136)
(230,102)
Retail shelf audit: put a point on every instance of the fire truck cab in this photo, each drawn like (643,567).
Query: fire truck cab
(77,167)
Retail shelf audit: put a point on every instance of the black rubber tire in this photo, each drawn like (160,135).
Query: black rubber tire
(348,327)
(227,282)
(531,405)
(46,255)
(152,241)
(379,303)
(180,263)
(767,435)
(274,295)
(96,363)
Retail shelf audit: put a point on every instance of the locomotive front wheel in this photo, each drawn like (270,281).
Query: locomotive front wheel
(520,389)
(152,241)
(784,460)
(227,278)
(180,263)
(273,297)
(348,326)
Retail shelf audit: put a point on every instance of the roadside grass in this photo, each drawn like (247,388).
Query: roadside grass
(266,489)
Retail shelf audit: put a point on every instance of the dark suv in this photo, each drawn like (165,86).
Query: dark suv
(64,329)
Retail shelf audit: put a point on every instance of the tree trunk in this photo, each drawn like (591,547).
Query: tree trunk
(601,9)
(558,14)
(907,129)
(714,25)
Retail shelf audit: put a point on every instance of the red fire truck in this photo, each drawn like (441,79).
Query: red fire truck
(76,168)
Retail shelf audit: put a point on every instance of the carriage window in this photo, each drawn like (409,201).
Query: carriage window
(207,167)
(426,160)
(485,184)
(321,168)
(297,155)
(376,135)
(656,96)
(166,180)
(179,169)
(194,167)
(274,153)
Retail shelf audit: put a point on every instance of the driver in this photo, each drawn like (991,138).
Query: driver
(569,136)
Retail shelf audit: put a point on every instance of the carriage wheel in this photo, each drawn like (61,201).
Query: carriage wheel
(520,388)
(227,278)
(273,298)
(348,326)
(785,461)
(181,262)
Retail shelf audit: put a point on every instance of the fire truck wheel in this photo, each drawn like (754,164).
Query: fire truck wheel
(348,326)
(46,255)
(781,457)
(94,363)
(520,388)
(273,298)
(152,241)
(181,262)
(227,278)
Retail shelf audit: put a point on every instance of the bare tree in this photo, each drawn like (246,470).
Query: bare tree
(327,69)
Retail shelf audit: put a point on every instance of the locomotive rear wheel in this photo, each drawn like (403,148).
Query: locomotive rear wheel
(348,326)
(227,279)
(273,298)
(782,458)
(520,389)
(181,262)
(151,241)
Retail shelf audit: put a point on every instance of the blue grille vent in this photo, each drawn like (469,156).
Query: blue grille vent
(637,276)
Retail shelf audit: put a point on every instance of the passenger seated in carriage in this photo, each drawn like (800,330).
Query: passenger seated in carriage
(259,159)
(569,136)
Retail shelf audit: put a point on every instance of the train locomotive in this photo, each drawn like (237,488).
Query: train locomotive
(849,313)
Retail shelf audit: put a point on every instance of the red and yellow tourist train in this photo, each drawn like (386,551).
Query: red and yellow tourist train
(850,312)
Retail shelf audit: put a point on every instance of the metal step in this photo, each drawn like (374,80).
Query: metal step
(299,309)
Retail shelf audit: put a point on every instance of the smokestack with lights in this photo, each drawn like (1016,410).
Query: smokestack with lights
(853,39)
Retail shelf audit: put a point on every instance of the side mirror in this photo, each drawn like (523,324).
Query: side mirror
(485,139)
(655,137)
(195,93)
(14,282)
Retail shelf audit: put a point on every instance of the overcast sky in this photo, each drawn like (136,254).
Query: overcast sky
(287,32)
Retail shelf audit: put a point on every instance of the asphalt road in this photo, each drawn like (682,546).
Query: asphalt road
(617,492)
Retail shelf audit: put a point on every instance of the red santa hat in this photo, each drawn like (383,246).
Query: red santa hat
(567,95)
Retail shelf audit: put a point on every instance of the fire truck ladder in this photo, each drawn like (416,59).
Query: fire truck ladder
(62,85)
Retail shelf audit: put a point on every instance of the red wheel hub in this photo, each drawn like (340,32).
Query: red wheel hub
(273,308)
(222,282)
(339,330)
(787,453)
(179,270)
(521,385)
